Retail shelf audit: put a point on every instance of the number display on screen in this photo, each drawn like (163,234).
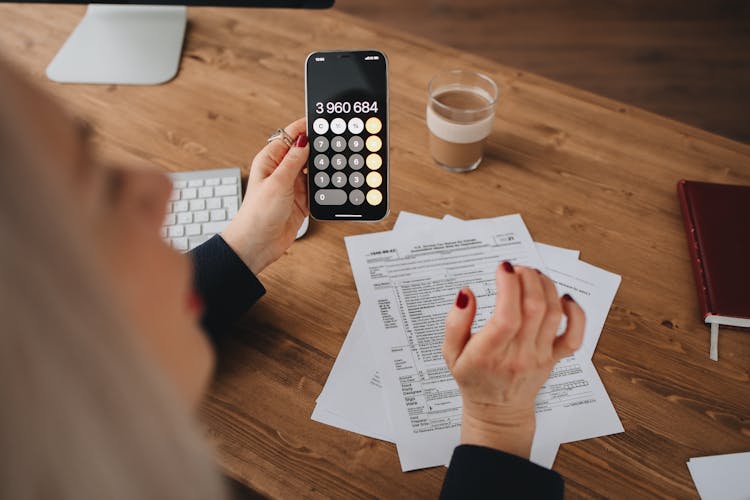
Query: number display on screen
(346,107)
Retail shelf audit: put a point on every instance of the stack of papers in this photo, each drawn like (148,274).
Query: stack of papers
(390,381)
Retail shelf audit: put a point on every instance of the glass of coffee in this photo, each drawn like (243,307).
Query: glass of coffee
(460,113)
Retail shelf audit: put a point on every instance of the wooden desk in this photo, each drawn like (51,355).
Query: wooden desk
(585,172)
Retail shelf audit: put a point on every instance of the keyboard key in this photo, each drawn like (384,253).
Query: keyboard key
(231,202)
(175,195)
(338,161)
(356,125)
(320,126)
(175,231)
(321,162)
(206,192)
(356,197)
(374,161)
(189,193)
(321,179)
(373,125)
(356,161)
(338,144)
(374,197)
(170,220)
(374,180)
(193,229)
(217,215)
(164,232)
(194,183)
(187,217)
(198,240)
(338,126)
(229,180)
(320,144)
(215,227)
(180,206)
(213,203)
(201,216)
(356,143)
(338,179)
(330,197)
(197,205)
(180,243)
(231,212)
(214,181)
(226,190)
(180,184)
(373,143)
(356,179)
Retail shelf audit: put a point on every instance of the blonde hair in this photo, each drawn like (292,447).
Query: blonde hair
(84,413)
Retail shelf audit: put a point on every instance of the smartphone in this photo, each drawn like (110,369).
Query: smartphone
(346,93)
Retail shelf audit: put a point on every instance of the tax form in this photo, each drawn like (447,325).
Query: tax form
(572,404)
(406,284)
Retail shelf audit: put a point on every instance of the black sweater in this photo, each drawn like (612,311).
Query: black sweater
(229,288)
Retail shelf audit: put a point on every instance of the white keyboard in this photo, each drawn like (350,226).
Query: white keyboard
(202,204)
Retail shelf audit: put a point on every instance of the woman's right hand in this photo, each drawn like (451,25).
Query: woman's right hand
(501,368)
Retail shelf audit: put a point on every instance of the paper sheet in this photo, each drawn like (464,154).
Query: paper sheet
(353,391)
(407,283)
(722,477)
(348,400)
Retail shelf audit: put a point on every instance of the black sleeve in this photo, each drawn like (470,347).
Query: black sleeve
(479,472)
(226,285)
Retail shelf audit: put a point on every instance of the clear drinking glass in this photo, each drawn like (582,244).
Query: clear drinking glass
(460,113)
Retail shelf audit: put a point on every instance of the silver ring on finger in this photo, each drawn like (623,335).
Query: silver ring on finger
(281,134)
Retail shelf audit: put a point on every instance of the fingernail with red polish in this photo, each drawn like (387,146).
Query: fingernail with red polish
(302,140)
(462,300)
(508,267)
(568,298)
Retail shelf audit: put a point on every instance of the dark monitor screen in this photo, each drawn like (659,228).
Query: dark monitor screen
(303,4)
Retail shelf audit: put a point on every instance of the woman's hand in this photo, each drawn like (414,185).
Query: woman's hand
(501,368)
(275,203)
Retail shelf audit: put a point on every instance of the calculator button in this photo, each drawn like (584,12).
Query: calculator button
(338,126)
(320,126)
(338,179)
(374,179)
(356,197)
(374,161)
(356,126)
(374,197)
(356,179)
(320,144)
(373,125)
(356,161)
(330,197)
(338,144)
(338,161)
(374,143)
(356,143)
(321,179)
(321,162)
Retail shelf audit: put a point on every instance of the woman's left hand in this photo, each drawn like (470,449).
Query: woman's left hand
(275,203)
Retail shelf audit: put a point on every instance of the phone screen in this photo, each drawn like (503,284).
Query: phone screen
(347,123)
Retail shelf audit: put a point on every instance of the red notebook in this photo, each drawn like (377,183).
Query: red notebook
(717,222)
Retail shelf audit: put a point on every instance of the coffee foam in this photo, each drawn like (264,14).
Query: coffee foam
(460,133)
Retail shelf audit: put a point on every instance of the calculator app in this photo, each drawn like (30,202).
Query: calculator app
(347,100)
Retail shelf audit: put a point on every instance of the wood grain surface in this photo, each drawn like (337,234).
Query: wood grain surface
(584,171)
(685,60)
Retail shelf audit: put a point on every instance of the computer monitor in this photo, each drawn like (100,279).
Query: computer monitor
(136,44)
